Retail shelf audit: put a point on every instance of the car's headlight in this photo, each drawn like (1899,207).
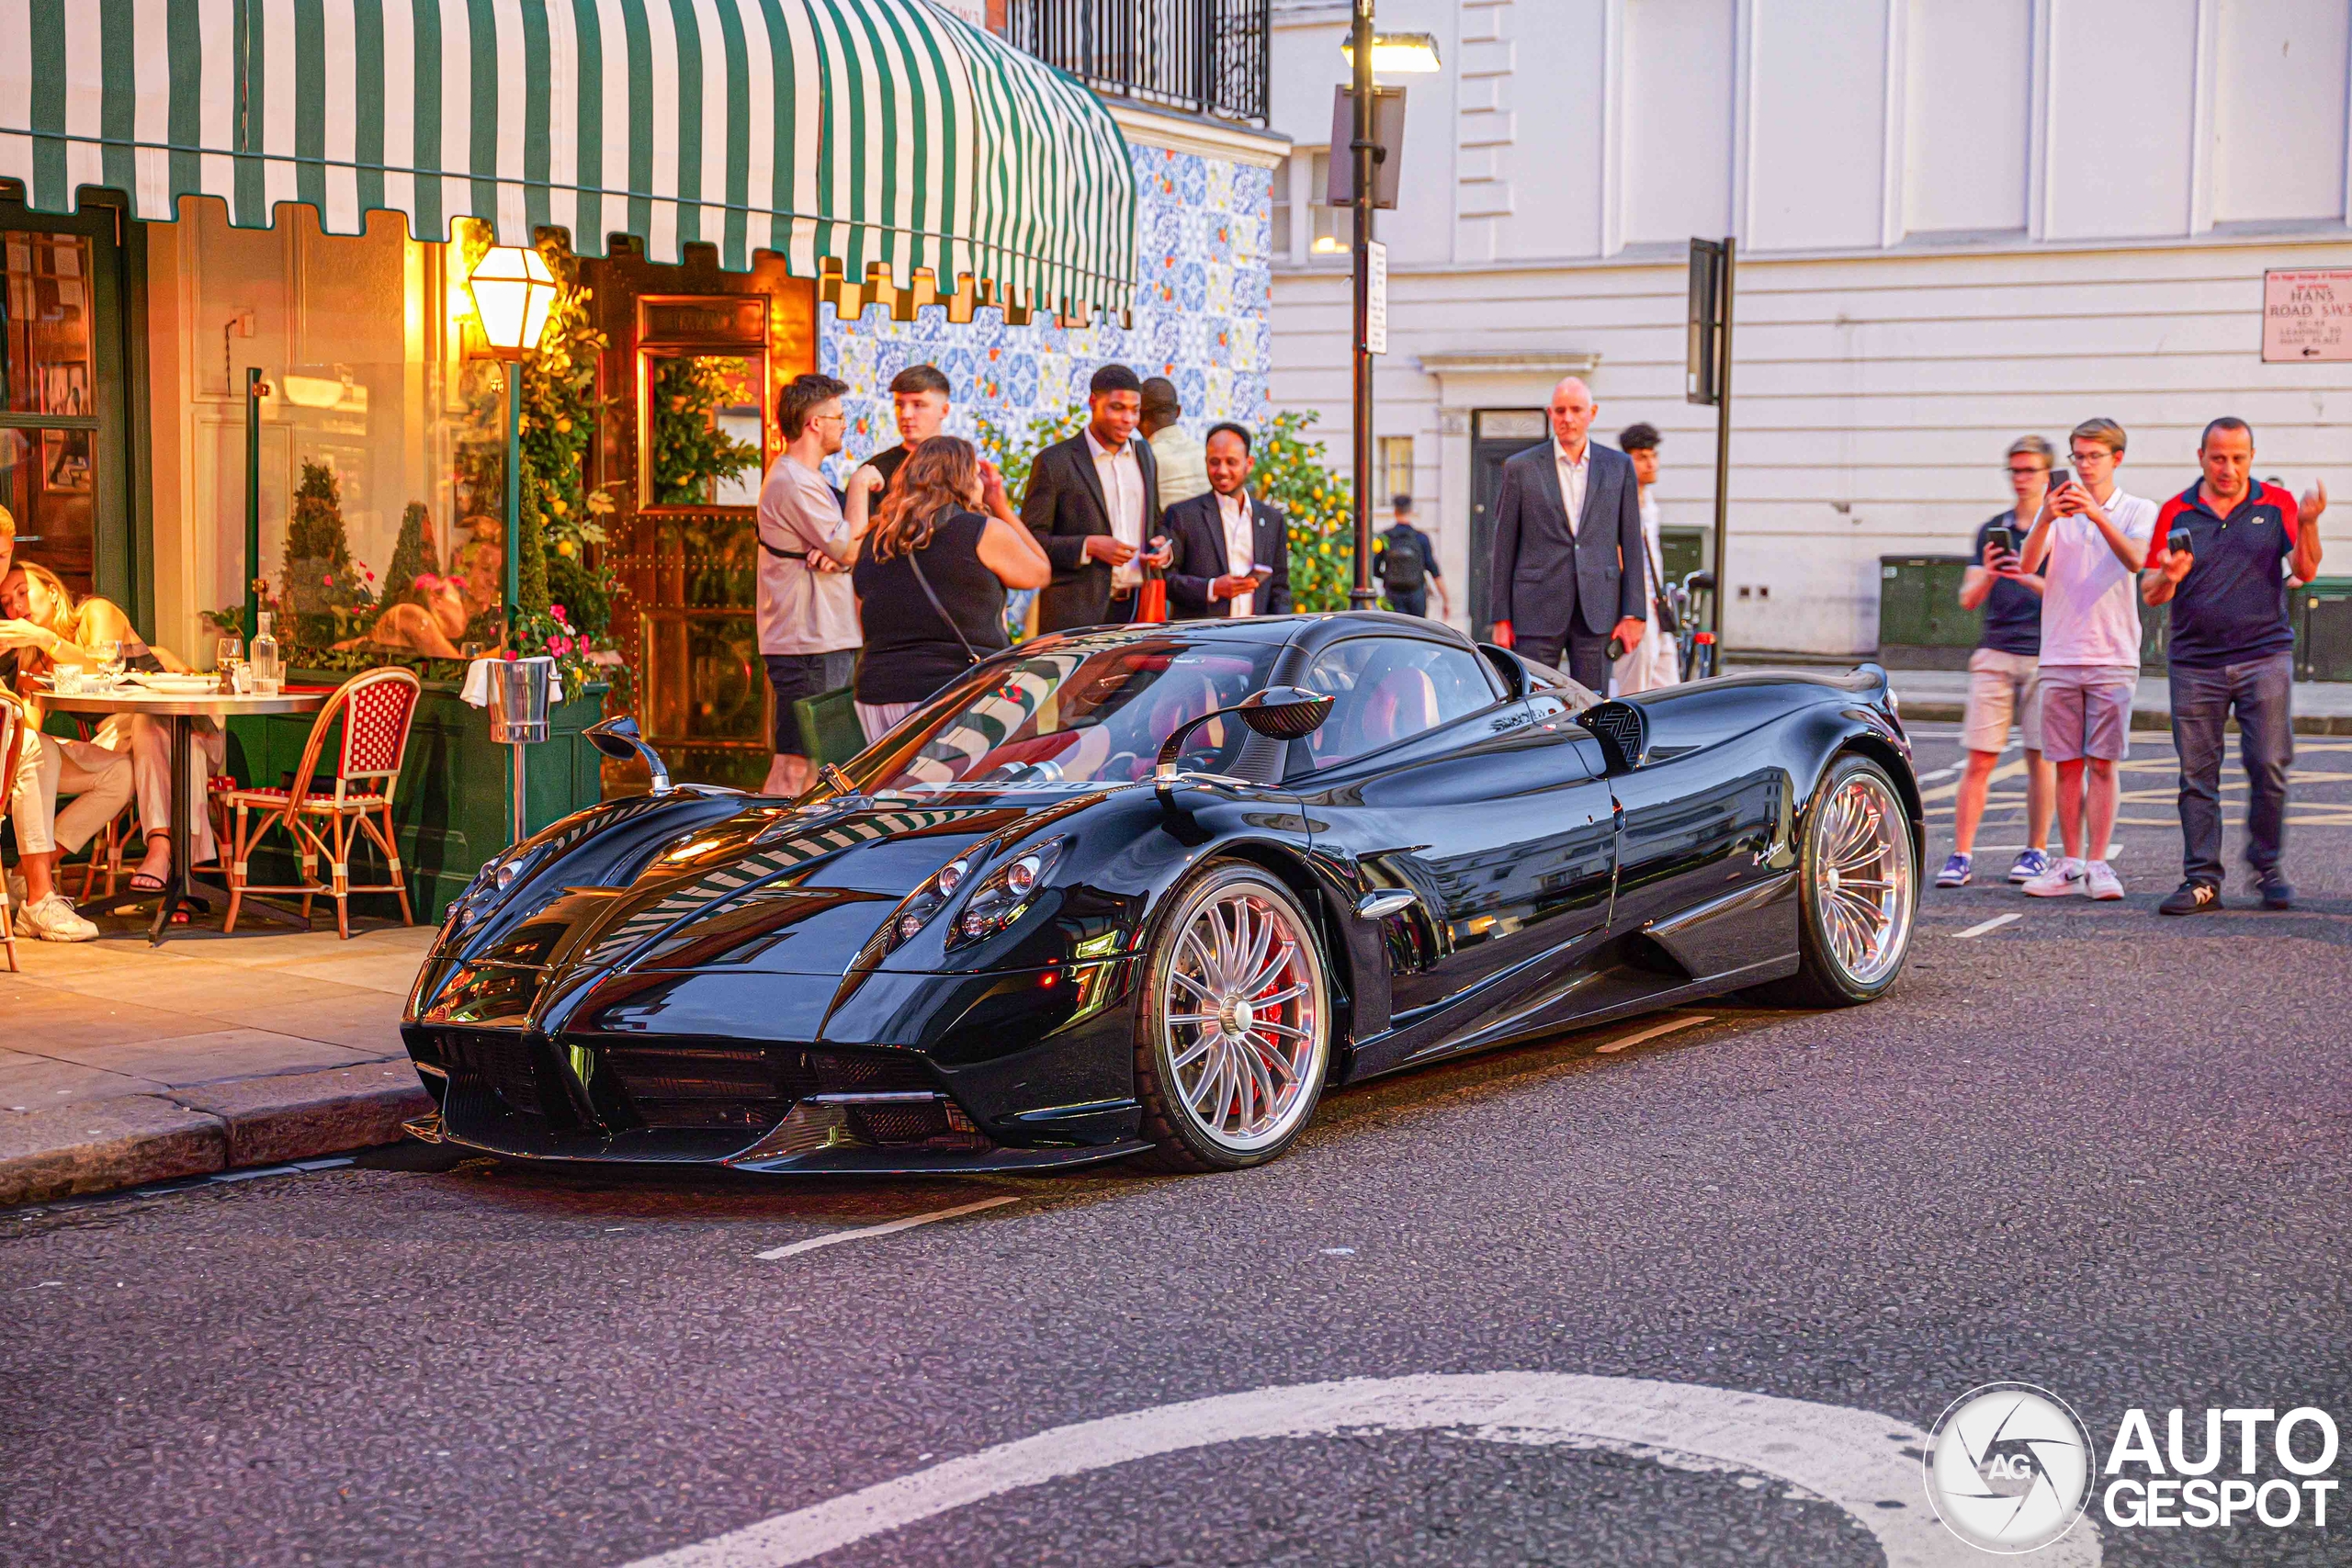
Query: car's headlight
(490,883)
(1005,893)
(930,899)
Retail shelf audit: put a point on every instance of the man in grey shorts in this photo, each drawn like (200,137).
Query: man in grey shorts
(2090,542)
(2004,674)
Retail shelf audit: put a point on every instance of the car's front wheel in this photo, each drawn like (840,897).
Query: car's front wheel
(1233,1031)
(1861,889)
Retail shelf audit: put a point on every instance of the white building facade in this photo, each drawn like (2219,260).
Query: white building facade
(1960,221)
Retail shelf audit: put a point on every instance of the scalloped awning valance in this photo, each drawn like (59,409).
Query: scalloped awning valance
(879,136)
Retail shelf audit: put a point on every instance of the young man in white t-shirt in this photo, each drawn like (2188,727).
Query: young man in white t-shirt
(2094,539)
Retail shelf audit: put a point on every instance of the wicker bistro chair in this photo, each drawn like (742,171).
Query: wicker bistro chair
(12,740)
(376,709)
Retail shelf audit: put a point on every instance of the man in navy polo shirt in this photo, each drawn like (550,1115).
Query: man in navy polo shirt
(2233,649)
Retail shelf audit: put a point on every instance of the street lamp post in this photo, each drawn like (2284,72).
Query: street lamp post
(1365,50)
(1359,148)
(513,293)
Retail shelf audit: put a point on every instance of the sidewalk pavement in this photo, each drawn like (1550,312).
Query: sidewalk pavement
(2321,707)
(123,1064)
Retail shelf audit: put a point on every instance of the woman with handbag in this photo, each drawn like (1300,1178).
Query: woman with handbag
(930,579)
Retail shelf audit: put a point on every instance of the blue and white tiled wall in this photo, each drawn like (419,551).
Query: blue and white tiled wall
(1205,231)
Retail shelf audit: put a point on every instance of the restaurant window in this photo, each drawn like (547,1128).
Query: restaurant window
(62,477)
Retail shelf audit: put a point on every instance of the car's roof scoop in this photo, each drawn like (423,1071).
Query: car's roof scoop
(1623,731)
(1278,713)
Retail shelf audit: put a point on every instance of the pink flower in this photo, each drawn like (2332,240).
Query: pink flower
(329,579)
(557,610)
(559,645)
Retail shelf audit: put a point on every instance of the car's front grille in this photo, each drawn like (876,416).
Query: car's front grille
(495,1060)
(710,1086)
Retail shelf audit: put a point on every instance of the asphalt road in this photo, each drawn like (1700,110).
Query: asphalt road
(2089,1149)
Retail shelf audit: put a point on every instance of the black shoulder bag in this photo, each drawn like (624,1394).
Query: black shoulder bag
(923,582)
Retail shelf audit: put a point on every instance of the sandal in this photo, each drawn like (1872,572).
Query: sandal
(146,881)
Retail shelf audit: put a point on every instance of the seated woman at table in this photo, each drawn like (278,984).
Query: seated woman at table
(47,767)
(41,620)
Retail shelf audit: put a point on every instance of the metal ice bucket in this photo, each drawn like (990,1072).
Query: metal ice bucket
(518,700)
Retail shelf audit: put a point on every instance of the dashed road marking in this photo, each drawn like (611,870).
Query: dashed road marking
(1669,1027)
(835,1238)
(1863,1462)
(1981,927)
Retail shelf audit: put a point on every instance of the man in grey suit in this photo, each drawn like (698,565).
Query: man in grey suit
(1568,556)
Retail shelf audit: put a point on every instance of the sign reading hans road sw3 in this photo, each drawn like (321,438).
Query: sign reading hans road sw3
(2307,315)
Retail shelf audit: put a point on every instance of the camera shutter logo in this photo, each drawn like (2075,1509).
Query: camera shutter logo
(2009,1467)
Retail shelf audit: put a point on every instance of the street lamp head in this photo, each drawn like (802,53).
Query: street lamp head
(1399,54)
(513,293)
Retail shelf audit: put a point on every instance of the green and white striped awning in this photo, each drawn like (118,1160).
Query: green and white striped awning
(872,133)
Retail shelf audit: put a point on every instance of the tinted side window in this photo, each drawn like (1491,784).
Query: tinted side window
(1389,689)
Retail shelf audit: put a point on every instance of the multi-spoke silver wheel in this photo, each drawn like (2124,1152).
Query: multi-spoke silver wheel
(1242,1038)
(1862,873)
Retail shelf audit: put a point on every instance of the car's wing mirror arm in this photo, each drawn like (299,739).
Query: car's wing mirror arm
(1279,713)
(619,739)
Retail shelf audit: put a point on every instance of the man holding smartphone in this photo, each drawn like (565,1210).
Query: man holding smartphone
(2004,673)
(2093,539)
(2219,550)
(1230,552)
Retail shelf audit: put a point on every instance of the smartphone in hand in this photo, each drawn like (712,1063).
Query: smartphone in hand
(2178,543)
(2003,540)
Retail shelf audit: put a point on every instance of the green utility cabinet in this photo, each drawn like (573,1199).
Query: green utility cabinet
(454,807)
(2321,610)
(1921,623)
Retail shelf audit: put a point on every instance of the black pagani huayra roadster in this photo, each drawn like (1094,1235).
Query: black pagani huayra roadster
(1150,890)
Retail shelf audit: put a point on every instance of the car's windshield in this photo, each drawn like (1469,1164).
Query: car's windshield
(1084,711)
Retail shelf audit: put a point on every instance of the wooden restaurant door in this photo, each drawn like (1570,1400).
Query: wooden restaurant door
(689,381)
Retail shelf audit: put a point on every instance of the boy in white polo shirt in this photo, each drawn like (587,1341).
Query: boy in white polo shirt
(2094,539)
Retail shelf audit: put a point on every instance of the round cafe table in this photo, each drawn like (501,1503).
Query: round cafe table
(179,712)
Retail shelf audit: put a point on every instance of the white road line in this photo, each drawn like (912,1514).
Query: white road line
(1942,772)
(836,1237)
(1995,923)
(1669,1027)
(1863,1462)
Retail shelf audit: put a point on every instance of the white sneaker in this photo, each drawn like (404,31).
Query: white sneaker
(2062,880)
(2104,883)
(53,920)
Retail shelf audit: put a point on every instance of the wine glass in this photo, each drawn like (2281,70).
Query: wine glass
(232,647)
(110,652)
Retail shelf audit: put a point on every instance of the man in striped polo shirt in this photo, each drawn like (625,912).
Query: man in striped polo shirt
(2232,651)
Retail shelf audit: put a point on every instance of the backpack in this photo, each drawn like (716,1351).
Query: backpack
(1402,570)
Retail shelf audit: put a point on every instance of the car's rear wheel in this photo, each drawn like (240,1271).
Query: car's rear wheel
(1861,886)
(1233,1031)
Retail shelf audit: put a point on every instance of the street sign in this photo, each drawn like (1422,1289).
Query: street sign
(1376,317)
(1388,143)
(2306,315)
(1703,323)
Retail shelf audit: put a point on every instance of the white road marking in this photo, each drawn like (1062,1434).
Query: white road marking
(1981,927)
(836,1237)
(1865,1464)
(1942,772)
(1945,792)
(1669,1027)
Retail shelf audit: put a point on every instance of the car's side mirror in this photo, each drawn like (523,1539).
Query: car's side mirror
(1502,661)
(619,739)
(1278,713)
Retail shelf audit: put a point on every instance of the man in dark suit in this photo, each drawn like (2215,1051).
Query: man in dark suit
(1230,550)
(1568,557)
(1093,502)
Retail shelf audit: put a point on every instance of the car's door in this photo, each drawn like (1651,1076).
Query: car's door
(1427,779)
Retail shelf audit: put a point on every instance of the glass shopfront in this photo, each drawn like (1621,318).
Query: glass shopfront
(64,462)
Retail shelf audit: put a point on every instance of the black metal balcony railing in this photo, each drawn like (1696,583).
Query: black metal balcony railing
(1207,56)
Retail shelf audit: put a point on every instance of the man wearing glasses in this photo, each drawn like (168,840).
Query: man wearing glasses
(806,611)
(2004,673)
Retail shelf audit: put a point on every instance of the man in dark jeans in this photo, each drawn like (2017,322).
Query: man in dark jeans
(1404,561)
(2233,649)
